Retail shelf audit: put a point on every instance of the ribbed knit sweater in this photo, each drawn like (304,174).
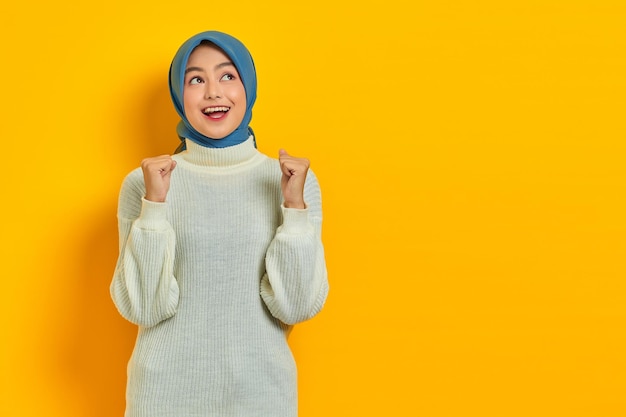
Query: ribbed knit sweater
(214,277)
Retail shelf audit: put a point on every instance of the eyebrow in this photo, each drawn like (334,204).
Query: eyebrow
(218,66)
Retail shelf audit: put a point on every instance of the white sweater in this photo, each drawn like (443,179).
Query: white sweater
(214,277)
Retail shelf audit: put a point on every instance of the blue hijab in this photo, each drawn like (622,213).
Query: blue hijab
(242,59)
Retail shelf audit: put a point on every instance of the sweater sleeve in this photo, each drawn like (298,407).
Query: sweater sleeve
(144,288)
(295,286)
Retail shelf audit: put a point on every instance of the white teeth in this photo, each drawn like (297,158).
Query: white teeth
(214,109)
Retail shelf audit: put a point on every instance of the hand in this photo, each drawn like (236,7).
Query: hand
(292,183)
(156,175)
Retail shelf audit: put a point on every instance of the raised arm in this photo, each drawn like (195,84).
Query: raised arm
(295,285)
(144,288)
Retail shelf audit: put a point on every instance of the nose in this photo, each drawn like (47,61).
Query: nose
(212,90)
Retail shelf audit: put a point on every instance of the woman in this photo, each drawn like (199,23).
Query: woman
(220,252)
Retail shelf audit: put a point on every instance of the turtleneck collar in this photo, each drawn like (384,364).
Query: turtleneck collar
(220,157)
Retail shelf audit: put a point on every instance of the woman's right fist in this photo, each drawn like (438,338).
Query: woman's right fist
(156,175)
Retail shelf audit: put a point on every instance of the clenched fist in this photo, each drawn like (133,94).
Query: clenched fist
(292,183)
(157,172)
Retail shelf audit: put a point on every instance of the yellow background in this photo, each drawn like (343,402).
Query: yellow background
(471,154)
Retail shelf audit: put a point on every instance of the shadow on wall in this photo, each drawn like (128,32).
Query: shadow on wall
(101,341)
(99,344)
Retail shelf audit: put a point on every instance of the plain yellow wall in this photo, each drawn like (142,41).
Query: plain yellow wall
(471,154)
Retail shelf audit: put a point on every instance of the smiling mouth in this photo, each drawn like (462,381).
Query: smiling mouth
(216,112)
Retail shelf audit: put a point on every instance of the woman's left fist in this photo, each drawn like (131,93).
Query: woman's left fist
(292,183)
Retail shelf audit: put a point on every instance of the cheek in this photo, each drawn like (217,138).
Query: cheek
(187,100)
(238,92)
(241,97)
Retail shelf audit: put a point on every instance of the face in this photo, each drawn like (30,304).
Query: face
(213,94)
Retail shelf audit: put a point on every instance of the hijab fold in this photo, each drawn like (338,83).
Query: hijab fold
(242,60)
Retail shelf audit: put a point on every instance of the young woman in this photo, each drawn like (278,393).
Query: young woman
(220,252)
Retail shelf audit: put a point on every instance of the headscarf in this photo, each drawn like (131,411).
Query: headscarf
(241,58)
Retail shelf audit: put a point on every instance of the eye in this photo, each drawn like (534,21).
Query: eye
(195,80)
(227,77)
